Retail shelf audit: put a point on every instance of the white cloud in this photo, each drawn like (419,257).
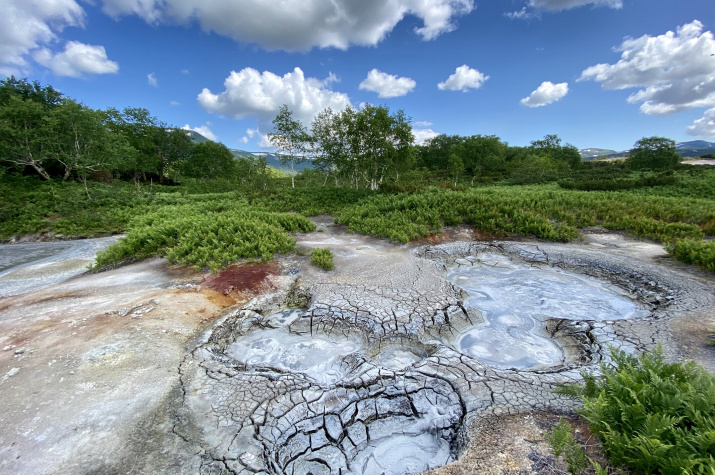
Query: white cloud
(463,79)
(522,14)
(174,103)
(299,25)
(184,71)
(422,123)
(151,79)
(76,60)
(264,142)
(423,135)
(203,130)
(545,94)
(534,8)
(675,71)
(26,26)
(559,5)
(250,93)
(705,126)
(387,85)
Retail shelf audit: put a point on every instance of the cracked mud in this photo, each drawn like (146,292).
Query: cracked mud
(402,348)
(403,359)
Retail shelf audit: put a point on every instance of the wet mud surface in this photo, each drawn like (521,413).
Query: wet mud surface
(404,359)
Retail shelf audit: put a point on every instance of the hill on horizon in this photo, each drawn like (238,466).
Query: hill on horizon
(272,159)
(691,149)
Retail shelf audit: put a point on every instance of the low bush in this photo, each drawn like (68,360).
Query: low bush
(202,235)
(322,258)
(693,251)
(653,417)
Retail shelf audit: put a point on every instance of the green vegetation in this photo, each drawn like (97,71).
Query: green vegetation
(68,170)
(697,252)
(214,233)
(322,258)
(562,443)
(544,212)
(653,152)
(652,416)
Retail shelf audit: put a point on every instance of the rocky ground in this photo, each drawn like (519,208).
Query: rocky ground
(153,369)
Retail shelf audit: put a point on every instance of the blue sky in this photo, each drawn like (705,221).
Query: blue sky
(599,73)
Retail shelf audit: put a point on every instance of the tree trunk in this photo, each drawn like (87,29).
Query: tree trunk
(40,170)
(292,174)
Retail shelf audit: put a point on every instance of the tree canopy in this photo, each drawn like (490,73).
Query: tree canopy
(653,152)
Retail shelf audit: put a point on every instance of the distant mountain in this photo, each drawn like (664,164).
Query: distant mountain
(195,136)
(592,153)
(695,148)
(273,160)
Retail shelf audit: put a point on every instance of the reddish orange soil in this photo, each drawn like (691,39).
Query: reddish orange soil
(243,278)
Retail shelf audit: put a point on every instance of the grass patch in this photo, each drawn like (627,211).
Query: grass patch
(322,258)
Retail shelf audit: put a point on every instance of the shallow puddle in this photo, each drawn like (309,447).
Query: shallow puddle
(515,301)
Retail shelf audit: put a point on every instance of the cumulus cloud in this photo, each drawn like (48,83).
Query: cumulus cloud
(299,25)
(151,79)
(705,126)
(26,26)
(387,85)
(463,79)
(423,135)
(534,8)
(675,71)
(422,123)
(545,94)
(76,60)
(203,130)
(263,142)
(250,93)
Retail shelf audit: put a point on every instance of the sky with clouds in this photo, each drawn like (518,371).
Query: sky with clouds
(599,73)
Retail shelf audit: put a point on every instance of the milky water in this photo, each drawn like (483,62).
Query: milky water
(318,357)
(400,454)
(516,300)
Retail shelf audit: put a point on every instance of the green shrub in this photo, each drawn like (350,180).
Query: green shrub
(322,258)
(652,416)
(212,234)
(562,443)
(692,251)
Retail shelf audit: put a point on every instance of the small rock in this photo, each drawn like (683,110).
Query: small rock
(19,351)
(12,372)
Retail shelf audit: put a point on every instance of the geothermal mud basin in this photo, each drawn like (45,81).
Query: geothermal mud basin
(403,359)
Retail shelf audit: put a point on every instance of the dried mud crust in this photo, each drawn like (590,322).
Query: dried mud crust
(257,418)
